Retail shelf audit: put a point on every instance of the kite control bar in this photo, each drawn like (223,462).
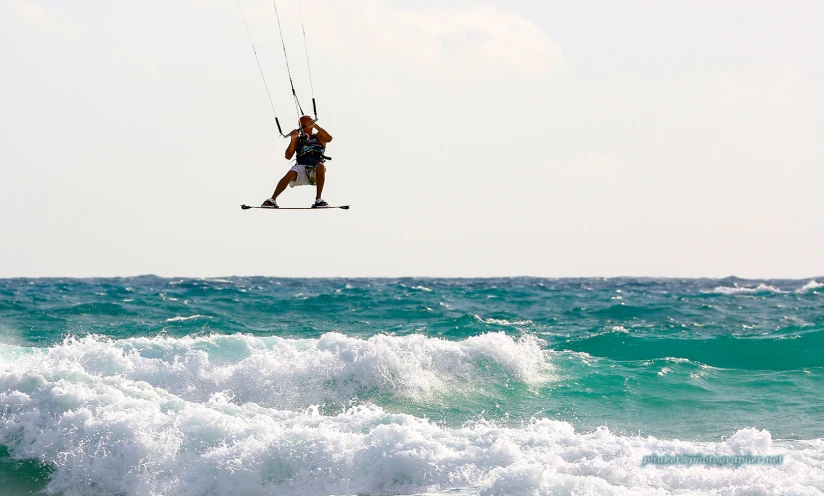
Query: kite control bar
(299,130)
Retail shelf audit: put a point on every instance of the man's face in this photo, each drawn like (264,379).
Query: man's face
(306,124)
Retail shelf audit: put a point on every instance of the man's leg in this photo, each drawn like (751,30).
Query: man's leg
(320,177)
(290,176)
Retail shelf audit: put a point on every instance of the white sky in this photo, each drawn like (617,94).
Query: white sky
(500,138)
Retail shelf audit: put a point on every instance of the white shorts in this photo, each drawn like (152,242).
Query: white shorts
(306,175)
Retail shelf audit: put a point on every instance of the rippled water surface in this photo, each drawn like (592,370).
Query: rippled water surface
(408,386)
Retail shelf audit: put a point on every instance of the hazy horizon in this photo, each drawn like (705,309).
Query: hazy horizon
(435,278)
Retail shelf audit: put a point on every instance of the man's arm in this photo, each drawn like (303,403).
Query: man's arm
(323,135)
(290,150)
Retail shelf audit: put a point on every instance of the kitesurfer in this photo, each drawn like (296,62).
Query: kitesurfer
(309,167)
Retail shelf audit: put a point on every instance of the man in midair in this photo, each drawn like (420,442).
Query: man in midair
(309,167)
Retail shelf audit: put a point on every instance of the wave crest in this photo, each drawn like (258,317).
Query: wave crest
(761,288)
(296,373)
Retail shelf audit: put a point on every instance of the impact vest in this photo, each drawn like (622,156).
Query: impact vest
(310,150)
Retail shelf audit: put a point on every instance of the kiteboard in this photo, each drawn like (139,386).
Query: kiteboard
(342,207)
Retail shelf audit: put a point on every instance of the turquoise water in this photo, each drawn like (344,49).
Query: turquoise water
(408,386)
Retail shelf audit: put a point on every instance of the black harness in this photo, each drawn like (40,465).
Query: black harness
(310,150)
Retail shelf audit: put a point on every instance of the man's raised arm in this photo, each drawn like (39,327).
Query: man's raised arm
(322,134)
(290,150)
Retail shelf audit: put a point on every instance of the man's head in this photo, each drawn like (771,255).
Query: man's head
(306,124)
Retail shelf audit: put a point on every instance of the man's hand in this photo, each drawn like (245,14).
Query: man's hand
(307,128)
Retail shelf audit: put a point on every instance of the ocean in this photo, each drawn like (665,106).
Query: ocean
(490,387)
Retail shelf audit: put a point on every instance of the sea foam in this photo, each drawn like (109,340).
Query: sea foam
(760,288)
(811,286)
(298,373)
(239,415)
